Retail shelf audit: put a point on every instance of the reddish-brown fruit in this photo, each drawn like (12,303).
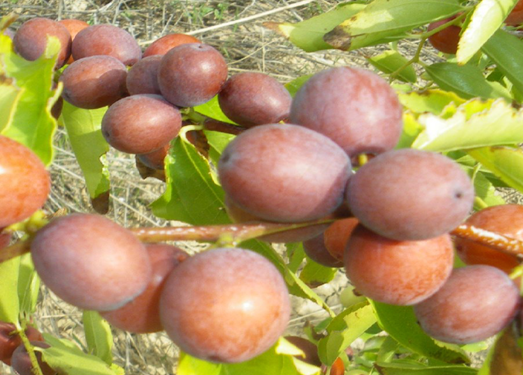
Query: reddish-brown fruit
(506,220)
(316,250)
(91,262)
(143,76)
(166,43)
(94,82)
(515,18)
(155,159)
(9,341)
(474,304)
(397,272)
(337,235)
(191,74)
(5,239)
(310,350)
(338,367)
(24,180)
(107,40)
(142,314)
(22,364)
(30,39)
(225,305)
(446,40)
(74,27)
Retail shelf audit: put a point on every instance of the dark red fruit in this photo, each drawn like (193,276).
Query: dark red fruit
(107,40)
(191,74)
(474,304)
(446,40)
(225,305)
(91,262)
(24,180)
(316,250)
(166,43)
(155,159)
(143,76)
(337,235)
(251,99)
(515,18)
(142,314)
(310,351)
(22,364)
(74,27)
(30,39)
(9,340)
(356,108)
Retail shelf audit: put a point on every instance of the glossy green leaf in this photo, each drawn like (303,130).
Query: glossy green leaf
(405,369)
(474,124)
(467,81)
(98,336)
(191,195)
(357,320)
(506,50)
(67,358)
(486,191)
(390,18)
(373,39)
(401,324)
(217,142)
(89,146)
(486,19)
(10,94)
(294,85)
(9,303)
(32,123)
(390,61)
(212,109)
(308,34)
(188,365)
(315,274)
(432,101)
(505,162)
(28,285)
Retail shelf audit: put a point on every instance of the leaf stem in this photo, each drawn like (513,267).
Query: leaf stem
(30,350)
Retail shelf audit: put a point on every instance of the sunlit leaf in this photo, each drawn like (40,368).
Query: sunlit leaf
(28,285)
(9,303)
(406,369)
(390,61)
(432,101)
(98,336)
(212,109)
(315,274)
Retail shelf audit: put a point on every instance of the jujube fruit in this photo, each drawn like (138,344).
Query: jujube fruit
(167,42)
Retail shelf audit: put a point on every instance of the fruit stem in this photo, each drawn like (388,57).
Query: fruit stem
(493,240)
(30,350)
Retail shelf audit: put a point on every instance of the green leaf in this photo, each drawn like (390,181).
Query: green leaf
(89,146)
(315,274)
(212,109)
(405,369)
(188,365)
(191,195)
(65,357)
(294,85)
(9,303)
(474,124)
(98,336)
(390,18)
(411,130)
(401,324)
(308,34)
(505,162)
(357,319)
(486,19)
(467,81)
(390,61)
(217,142)
(32,123)
(28,285)
(432,101)
(506,50)
(10,94)
(486,191)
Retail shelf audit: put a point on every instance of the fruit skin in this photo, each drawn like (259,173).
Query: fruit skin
(354,107)
(225,305)
(24,180)
(90,261)
(142,314)
(506,220)
(397,272)
(22,364)
(109,40)
(309,350)
(515,18)
(446,40)
(337,235)
(141,124)
(191,74)
(94,82)
(410,194)
(143,76)
(9,342)
(155,159)
(475,303)
(316,250)
(30,39)
(251,99)
(74,27)
(166,43)
(270,172)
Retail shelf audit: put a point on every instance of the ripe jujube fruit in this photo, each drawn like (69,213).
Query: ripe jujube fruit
(337,235)
(166,43)
(142,314)
(397,272)
(515,18)
(225,305)
(284,173)
(410,194)
(310,350)
(316,250)
(354,107)
(9,341)
(94,82)
(30,40)
(74,27)
(91,262)
(474,304)
(155,159)
(191,74)
(143,76)
(447,39)
(251,99)
(21,362)
(24,180)
(504,219)
(105,39)
(140,124)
